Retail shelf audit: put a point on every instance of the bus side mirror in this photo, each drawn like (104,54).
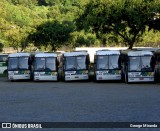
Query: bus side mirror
(152,63)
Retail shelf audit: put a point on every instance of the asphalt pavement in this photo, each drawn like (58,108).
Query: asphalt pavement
(25,101)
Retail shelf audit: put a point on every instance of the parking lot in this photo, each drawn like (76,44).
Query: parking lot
(78,102)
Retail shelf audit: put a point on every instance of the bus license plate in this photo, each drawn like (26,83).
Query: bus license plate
(141,78)
(76,77)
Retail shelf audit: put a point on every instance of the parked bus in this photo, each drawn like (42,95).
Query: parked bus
(19,66)
(45,67)
(107,65)
(137,66)
(157,65)
(75,66)
(3,63)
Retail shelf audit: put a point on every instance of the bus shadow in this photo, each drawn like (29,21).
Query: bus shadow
(109,81)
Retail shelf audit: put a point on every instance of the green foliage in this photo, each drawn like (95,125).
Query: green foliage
(1,47)
(54,34)
(106,23)
(82,39)
(127,19)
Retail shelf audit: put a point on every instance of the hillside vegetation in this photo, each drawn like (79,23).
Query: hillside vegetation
(52,24)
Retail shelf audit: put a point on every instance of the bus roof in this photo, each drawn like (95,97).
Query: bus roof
(3,54)
(19,54)
(107,52)
(146,49)
(139,53)
(46,55)
(157,52)
(75,53)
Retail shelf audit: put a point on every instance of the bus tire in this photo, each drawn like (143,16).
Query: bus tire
(5,72)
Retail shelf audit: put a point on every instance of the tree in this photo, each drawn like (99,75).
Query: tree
(82,39)
(1,47)
(125,18)
(54,34)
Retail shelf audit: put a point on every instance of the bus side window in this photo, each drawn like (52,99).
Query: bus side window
(119,61)
(126,60)
(95,61)
(153,62)
(57,63)
(158,58)
(87,60)
(29,62)
(63,61)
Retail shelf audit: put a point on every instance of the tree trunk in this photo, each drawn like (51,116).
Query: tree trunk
(130,45)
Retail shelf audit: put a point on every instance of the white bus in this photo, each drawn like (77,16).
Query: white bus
(75,66)
(45,67)
(157,65)
(138,66)
(3,63)
(19,66)
(107,65)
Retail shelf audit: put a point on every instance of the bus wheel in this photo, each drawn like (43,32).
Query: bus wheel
(5,73)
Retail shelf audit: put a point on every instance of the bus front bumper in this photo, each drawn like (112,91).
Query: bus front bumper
(43,76)
(14,76)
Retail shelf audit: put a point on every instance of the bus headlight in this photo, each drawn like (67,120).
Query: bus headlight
(84,72)
(150,73)
(26,72)
(117,71)
(53,73)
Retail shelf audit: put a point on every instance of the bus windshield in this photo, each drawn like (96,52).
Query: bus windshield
(23,63)
(75,63)
(3,58)
(146,63)
(18,63)
(48,64)
(134,63)
(107,62)
(113,61)
(13,63)
(51,63)
(102,62)
(140,63)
